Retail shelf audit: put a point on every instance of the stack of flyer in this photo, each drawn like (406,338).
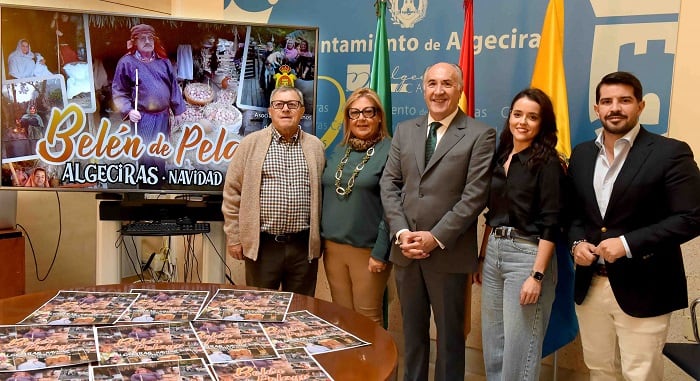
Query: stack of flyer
(169,335)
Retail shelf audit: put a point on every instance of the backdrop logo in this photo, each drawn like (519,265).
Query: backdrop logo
(405,13)
(357,77)
(646,47)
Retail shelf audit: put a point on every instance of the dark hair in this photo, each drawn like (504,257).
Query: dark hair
(544,144)
(621,78)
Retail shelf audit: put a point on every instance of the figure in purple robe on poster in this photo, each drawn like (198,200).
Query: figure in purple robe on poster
(156,93)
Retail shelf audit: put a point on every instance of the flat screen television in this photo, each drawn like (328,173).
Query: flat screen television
(69,78)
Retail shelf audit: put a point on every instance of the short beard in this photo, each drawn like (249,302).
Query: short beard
(621,130)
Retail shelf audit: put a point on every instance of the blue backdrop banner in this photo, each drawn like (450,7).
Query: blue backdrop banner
(601,37)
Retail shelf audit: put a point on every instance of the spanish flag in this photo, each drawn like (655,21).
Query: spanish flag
(466,60)
(466,103)
(549,75)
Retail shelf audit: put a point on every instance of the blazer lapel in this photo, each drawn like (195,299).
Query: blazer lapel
(633,164)
(419,135)
(591,156)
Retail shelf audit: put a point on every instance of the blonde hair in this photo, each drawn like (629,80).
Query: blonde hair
(368,93)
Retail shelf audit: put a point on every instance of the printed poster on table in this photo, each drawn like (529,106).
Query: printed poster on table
(125,344)
(82,308)
(225,341)
(73,373)
(24,347)
(302,329)
(174,370)
(247,305)
(293,364)
(165,306)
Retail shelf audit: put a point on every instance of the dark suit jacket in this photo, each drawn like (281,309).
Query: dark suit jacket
(445,196)
(655,204)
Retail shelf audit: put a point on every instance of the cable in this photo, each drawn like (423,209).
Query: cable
(229,275)
(121,243)
(188,256)
(165,253)
(195,262)
(172,268)
(137,258)
(186,264)
(58,243)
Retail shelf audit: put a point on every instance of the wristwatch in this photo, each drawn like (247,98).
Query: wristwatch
(537,275)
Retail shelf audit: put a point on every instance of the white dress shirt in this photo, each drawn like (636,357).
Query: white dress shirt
(606,172)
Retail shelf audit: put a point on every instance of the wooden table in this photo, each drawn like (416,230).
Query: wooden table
(373,362)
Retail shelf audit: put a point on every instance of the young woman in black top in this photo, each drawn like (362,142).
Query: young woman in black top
(523,223)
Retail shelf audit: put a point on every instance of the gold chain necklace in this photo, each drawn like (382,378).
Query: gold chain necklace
(345,191)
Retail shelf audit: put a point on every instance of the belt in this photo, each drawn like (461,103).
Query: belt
(600,270)
(286,237)
(513,233)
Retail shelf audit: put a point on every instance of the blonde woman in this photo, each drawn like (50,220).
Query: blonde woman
(356,248)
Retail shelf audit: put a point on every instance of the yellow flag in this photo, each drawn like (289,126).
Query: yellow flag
(549,75)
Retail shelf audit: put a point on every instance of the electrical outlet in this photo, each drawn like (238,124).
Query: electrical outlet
(688,328)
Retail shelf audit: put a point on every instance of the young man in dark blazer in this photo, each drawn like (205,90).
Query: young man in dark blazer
(432,201)
(637,199)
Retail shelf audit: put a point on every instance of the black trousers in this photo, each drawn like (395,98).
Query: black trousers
(284,265)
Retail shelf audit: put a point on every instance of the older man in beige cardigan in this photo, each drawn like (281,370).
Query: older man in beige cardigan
(272,200)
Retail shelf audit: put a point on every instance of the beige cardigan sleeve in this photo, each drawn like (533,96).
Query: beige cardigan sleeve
(242,187)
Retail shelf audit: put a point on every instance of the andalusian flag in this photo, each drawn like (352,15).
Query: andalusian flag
(549,75)
(466,60)
(380,78)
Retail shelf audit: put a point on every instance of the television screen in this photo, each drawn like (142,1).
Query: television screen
(117,103)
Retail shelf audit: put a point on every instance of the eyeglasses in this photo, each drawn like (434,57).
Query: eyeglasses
(278,105)
(367,112)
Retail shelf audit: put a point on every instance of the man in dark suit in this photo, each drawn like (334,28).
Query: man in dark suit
(432,201)
(637,200)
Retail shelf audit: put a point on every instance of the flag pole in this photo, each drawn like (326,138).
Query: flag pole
(136,102)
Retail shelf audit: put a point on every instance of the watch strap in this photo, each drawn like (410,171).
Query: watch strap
(537,275)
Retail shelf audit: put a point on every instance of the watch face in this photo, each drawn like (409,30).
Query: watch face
(537,275)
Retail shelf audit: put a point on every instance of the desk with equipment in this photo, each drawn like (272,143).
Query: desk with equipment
(135,215)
